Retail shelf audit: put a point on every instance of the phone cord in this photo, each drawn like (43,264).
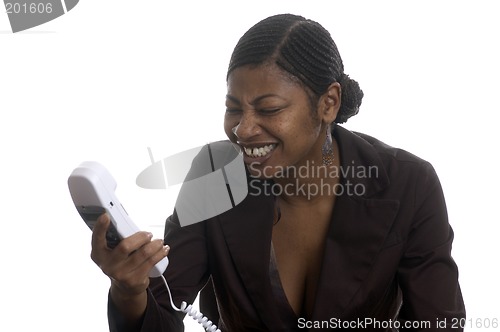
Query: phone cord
(208,325)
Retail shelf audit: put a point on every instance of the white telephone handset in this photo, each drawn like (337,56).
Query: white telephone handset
(92,189)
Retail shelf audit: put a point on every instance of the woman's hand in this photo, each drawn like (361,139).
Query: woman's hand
(127,265)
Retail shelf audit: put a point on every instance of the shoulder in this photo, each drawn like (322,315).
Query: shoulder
(388,152)
(389,155)
(396,168)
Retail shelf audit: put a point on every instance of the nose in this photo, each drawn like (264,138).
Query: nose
(247,127)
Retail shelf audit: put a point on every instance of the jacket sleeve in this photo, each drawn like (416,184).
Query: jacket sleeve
(186,274)
(427,274)
(187,271)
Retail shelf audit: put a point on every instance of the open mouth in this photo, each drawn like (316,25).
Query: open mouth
(261,151)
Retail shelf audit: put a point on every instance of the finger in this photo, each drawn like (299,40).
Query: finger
(130,268)
(149,255)
(131,244)
(99,231)
(115,262)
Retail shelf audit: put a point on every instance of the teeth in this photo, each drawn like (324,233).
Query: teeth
(259,152)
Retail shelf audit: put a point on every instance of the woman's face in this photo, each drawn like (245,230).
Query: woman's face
(269,116)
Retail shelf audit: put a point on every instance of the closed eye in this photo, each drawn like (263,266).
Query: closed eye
(270,111)
(232,110)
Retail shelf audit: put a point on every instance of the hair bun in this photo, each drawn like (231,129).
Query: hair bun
(352,96)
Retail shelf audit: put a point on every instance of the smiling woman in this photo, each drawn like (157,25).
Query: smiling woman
(282,258)
(288,131)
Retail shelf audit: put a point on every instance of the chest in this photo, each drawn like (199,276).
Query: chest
(299,240)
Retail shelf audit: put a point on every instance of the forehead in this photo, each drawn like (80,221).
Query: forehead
(253,81)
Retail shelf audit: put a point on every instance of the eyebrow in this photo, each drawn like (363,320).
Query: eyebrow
(255,101)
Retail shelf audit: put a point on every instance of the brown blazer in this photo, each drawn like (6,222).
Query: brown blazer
(387,255)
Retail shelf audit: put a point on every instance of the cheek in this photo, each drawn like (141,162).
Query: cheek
(297,130)
(300,136)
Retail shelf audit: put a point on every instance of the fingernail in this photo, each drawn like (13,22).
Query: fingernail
(150,235)
(166,248)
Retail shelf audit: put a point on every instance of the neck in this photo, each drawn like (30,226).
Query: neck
(310,182)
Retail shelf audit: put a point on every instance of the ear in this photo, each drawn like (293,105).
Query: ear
(329,103)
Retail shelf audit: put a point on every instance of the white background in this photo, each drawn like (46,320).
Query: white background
(111,78)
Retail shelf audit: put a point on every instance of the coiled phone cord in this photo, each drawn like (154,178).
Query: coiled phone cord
(208,325)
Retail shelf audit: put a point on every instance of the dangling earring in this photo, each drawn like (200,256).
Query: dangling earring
(327,148)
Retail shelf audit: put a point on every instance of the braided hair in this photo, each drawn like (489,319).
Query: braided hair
(303,49)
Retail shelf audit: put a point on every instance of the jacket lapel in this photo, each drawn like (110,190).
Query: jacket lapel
(359,227)
(358,230)
(248,231)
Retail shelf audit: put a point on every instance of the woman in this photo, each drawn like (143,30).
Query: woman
(338,230)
